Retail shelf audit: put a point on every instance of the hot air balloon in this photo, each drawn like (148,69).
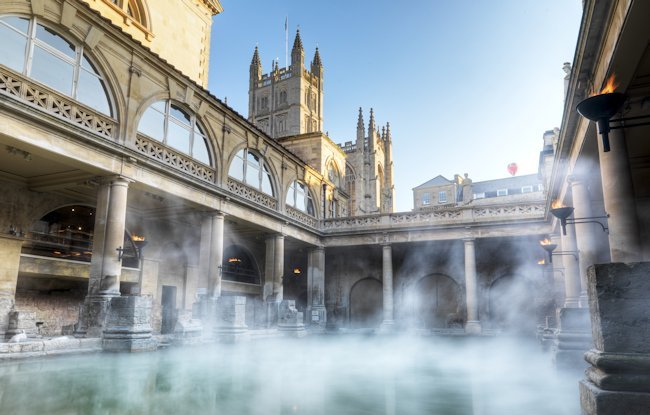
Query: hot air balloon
(512,168)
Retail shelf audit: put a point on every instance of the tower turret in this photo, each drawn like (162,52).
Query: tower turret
(255,76)
(371,132)
(297,53)
(361,132)
(316,64)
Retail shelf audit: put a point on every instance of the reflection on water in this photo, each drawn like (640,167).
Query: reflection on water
(320,375)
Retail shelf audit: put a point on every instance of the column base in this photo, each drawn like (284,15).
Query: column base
(386,327)
(128,325)
(473,327)
(573,338)
(317,318)
(230,323)
(596,401)
(92,316)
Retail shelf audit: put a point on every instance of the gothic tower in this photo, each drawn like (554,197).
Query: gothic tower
(370,165)
(287,101)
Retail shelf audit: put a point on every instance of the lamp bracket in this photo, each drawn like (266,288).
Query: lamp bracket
(590,220)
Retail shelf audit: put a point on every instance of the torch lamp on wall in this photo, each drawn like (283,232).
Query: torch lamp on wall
(563,213)
(602,107)
(549,247)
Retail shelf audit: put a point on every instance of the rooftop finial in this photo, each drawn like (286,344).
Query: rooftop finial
(297,43)
(360,120)
(371,124)
(317,61)
(256,57)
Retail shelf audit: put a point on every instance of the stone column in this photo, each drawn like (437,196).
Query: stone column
(216,256)
(571,269)
(473,325)
(278,267)
(10,247)
(111,219)
(618,380)
(316,312)
(387,282)
(618,195)
(273,274)
(106,265)
(586,233)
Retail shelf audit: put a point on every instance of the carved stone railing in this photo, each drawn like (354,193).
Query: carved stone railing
(251,194)
(440,217)
(170,157)
(51,102)
(301,216)
(353,222)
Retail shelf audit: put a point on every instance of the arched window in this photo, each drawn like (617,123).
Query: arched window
(36,51)
(68,233)
(176,128)
(132,8)
(298,197)
(251,169)
(238,265)
(333,175)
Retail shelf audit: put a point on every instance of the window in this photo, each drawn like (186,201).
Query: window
(334,204)
(298,197)
(251,169)
(426,198)
(131,8)
(478,196)
(333,175)
(526,189)
(176,128)
(283,97)
(502,192)
(442,197)
(36,51)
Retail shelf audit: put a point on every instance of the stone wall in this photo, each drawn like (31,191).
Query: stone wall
(56,307)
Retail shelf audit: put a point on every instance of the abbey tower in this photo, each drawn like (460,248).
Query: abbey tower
(287,104)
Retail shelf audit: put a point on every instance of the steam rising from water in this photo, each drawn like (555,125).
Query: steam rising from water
(320,375)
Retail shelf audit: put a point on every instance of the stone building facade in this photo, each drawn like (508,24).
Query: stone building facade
(122,176)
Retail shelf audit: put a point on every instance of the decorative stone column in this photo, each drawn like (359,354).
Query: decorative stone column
(618,196)
(106,264)
(316,312)
(473,325)
(387,282)
(618,381)
(216,256)
(573,337)
(586,233)
(10,247)
(128,325)
(571,269)
(273,274)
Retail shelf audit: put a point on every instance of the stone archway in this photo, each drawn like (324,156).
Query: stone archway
(438,302)
(511,304)
(366,303)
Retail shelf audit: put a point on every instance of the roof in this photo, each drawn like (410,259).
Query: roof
(436,181)
(505,183)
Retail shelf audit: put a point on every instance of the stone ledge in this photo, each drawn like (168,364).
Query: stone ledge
(595,401)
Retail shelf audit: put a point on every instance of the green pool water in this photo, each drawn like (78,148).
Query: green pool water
(316,375)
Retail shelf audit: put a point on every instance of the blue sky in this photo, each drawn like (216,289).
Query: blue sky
(467,86)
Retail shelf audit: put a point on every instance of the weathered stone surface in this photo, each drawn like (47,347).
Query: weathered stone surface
(61,343)
(595,401)
(290,320)
(128,327)
(230,321)
(619,299)
(573,338)
(187,330)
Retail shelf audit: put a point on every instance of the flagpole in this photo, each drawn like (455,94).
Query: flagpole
(286,42)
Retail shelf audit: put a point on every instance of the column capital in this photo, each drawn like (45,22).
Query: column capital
(469,239)
(575,179)
(116,179)
(317,248)
(217,214)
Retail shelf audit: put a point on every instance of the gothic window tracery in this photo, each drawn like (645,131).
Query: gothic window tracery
(40,53)
(250,168)
(298,196)
(171,125)
(134,9)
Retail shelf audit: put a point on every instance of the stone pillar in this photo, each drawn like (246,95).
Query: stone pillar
(571,270)
(316,312)
(10,247)
(618,381)
(216,256)
(278,267)
(106,265)
(586,233)
(273,274)
(230,319)
(473,325)
(128,325)
(618,195)
(387,282)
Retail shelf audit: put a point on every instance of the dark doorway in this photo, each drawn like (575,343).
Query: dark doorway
(168,309)
(438,302)
(366,304)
